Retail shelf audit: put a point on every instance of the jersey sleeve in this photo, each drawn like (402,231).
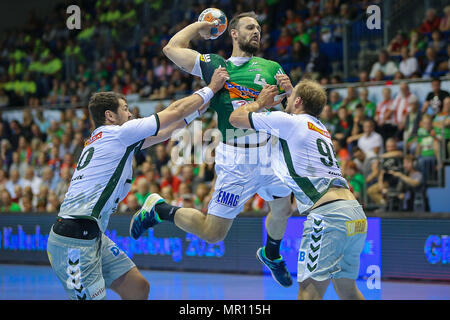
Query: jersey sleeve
(277,123)
(138,129)
(208,63)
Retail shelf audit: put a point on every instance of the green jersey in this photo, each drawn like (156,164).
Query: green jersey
(247,78)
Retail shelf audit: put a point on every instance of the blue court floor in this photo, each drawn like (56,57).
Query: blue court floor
(23,282)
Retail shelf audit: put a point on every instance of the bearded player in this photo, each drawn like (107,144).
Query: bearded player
(242,164)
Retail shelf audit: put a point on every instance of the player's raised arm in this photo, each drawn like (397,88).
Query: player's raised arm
(177,49)
(185,107)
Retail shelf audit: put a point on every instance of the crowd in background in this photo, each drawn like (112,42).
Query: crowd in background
(389,149)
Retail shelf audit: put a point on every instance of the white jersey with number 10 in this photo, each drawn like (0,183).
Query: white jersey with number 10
(102,178)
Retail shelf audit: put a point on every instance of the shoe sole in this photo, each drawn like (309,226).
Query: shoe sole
(271,272)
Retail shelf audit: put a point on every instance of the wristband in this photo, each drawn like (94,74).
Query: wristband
(191,117)
(206,93)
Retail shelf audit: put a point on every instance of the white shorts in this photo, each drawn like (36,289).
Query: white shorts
(241,173)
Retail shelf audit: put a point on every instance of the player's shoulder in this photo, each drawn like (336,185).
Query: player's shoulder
(210,57)
(266,62)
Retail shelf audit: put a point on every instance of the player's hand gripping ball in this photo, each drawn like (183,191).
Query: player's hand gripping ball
(216,16)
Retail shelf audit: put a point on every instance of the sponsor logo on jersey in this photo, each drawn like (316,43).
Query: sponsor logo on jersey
(237,91)
(322,132)
(227,198)
(356,227)
(94,138)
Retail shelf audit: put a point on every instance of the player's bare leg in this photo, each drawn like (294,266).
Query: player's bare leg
(208,227)
(347,289)
(312,290)
(131,286)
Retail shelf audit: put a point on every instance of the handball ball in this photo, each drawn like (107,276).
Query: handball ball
(216,15)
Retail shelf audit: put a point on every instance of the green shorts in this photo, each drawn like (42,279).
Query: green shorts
(333,238)
(86,267)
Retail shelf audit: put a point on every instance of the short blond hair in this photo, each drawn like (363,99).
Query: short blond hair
(313,96)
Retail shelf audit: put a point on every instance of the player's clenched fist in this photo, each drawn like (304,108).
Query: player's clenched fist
(218,79)
(266,96)
(285,83)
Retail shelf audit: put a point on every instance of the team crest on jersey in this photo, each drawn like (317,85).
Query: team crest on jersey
(94,138)
(322,132)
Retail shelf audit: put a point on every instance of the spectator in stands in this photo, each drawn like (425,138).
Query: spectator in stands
(206,172)
(401,105)
(66,145)
(162,157)
(355,179)
(411,125)
(342,154)
(300,52)
(434,99)
(6,204)
(132,205)
(364,76)
(351,100)
(318,62)
(370,140)
(437,42)
(357,128)
(386,66)
(201,194)
(441,127)
(344,125)
(335,101)
(53,203)
(31,180)
(63,184)
(367,164)
(369,107)
(408,65)
(49,179)
(17,164)
(391,160)
(410,184)
(384,115)
(399,42)
(283,43)
(26,204)
(431,22)
(142,191)
(167,179)
(431,63)
(301,35)
(428,150)
(14,181)
(329,119)
(444,26)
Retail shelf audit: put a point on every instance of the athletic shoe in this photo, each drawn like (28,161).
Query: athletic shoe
(277,267)
(146,217)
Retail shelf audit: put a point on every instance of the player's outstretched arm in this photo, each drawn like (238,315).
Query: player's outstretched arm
(177,49)
(182,108)
(239,118)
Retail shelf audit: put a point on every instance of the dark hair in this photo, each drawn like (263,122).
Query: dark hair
(102,101)
(235,20)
